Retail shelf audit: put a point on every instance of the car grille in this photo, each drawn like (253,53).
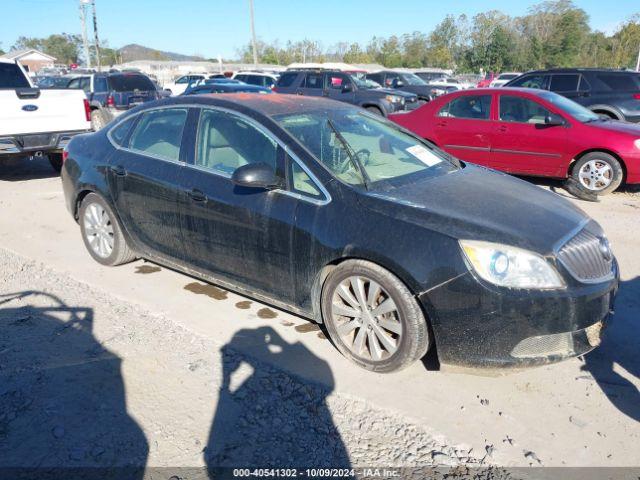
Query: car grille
(588,257)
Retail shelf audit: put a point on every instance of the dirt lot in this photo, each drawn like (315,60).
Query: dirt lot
(169,371)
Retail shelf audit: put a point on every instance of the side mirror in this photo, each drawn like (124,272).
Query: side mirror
(554,120)
(347,87)
(256,175)
(396,83)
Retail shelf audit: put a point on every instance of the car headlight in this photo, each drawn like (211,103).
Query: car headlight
(511,267)
(637,143)
(394,98)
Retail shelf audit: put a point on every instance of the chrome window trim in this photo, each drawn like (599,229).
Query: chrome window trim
(271,136)
(572,233)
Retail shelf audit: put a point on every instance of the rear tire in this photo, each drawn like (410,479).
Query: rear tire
(98,121)
(55,159)
(102,233)
(596,173)
(385,342)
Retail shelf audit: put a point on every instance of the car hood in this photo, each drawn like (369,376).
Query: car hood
(617,126)
(418,89)
(481,204)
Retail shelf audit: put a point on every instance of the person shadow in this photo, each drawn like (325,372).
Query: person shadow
(62,396)
(268,418)
(620,347)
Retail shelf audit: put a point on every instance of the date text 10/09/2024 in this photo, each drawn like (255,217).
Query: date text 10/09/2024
(316,473)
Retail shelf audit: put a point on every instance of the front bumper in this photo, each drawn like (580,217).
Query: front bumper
(479,325)
(29,144)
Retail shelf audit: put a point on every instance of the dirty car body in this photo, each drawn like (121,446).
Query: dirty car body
(428,226)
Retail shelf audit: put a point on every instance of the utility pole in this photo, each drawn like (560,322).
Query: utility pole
(638,62)
(85,42)
(253,36)
(95,33)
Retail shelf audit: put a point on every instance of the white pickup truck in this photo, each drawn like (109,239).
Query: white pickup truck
(36,122)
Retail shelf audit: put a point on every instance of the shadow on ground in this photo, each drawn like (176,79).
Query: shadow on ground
(264,417)
(62,397)
(16,169)
(619,349)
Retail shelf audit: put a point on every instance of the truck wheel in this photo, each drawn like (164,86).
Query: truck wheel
(375,111)
(97,120)
(55,159)
(372,317)
(597,173)
(102,233)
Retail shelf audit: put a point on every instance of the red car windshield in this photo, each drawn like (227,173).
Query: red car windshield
(577,111)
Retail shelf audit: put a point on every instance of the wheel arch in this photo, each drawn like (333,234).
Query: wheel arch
(607,110)
(375,105)
(595,150)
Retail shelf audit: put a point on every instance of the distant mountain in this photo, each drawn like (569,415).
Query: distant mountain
(130,53)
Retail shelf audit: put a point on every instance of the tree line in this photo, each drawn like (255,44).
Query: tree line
(553,33)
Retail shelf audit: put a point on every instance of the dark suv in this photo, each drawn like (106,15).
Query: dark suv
(344,87)
(404,81)
(614,93)
(111,94)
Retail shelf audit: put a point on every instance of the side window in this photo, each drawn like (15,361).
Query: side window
(182,80)
(476,107)
(313,80)
(584,85)
(301,182)
(564,83)
(242,78)
(337,80)
(85,84)
(100,84)
(620,82)
(159,133)
(529,81)
(390,77)
(287,79)
(119,132)
(254,80)
(268,82)
(75,83)
(226,142)
(376,77)
(521,110)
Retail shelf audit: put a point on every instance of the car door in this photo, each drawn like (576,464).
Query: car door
(569,85)
(144,180)
(463,127)
(522,143)
(240,234)
(312,85)
(338,86)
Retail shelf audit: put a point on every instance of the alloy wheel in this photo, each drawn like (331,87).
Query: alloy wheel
(596,175)
(366,318)
(98,230)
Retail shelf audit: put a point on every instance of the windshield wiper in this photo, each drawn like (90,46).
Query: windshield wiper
(353,157)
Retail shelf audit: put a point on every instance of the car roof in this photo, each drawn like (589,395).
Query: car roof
(531,91)
(267,105)
(581,69)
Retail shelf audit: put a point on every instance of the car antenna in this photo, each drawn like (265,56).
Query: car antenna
(353,157)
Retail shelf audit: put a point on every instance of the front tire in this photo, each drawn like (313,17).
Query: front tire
(597,173)
(372,317)
(98,120)
(102,233)
(375,111)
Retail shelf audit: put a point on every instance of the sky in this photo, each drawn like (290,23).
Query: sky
(219,27)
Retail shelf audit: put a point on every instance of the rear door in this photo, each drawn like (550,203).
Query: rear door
(131,90)
(463,127)
(144,176)
(241,234)
(570,85)
(312,85)
(522,143)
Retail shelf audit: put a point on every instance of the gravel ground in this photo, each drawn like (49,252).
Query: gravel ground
(63,400)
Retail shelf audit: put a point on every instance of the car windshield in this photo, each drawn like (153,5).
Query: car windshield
(360,149)
(569,106)
(412,79)
(129,83)
(508,76)
(362,81)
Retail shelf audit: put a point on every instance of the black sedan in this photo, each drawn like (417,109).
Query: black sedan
(340,216)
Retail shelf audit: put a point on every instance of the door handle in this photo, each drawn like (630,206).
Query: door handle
(441,124)
(119,170)
(197,195)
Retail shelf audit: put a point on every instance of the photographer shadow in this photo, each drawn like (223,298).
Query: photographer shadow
(266,418)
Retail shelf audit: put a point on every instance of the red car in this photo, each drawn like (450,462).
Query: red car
(531,132)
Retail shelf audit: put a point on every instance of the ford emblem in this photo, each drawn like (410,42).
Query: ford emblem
(30,108)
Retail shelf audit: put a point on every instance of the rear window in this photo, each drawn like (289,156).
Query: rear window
(564,83)
(287,79)
(12,77)
(620,81)
(129,83)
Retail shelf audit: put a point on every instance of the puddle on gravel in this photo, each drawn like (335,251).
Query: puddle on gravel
(267,313)
(206,289)
(307,327)
(146,269)
(245,304)
(286,324)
